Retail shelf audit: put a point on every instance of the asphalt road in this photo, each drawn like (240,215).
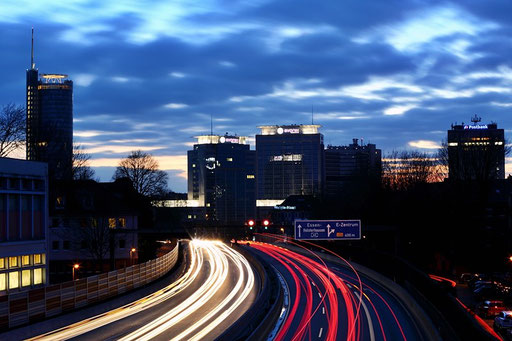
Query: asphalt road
(328,301)
(218,287)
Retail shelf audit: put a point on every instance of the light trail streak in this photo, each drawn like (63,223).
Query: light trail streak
(333,286)
(213,254)
(219,255)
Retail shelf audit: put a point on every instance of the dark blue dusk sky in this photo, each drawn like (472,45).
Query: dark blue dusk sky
(148,74)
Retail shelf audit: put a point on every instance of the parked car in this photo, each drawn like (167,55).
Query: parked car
(486,292)
(490,308)
(465,277)
(503,320)
(476,278)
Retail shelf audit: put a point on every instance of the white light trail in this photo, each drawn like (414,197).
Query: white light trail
(219,257)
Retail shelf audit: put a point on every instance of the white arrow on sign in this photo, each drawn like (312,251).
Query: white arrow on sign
(329,231)
(300,227)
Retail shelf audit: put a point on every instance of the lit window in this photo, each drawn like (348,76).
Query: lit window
(25,278)
(250,176)
(3,278)
(38,276)
(2,263)
(193,165)
(208,205)
(14,279)
(122,222)
(112,222)
(189,216)
(37,258)
(25,260)
(13,262)
(230,159)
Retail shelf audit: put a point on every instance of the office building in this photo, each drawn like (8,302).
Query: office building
(350,165)
(50,120)
(221,178)
(476,151)
(94,224)
(290,161)
(23,224)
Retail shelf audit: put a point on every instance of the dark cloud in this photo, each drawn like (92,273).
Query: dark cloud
(269,62)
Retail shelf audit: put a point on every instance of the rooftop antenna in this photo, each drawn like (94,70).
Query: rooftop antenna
(211,128)
(32,64)
(475,119)
(312,114)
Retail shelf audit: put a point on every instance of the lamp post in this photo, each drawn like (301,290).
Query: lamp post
(75,267)
(132,251)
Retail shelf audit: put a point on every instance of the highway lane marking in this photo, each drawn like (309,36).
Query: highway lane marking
(319,295)
(323,310)
(368,317)
(320,334)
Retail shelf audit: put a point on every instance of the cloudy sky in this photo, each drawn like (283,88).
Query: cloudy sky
(149,74)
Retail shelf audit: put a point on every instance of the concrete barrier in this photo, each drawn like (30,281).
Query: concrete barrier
(25,307)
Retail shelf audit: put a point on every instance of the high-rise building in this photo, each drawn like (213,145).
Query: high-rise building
(476,151)
(221,178)
(50,120)
(23,224)
(290,161)
(350,164)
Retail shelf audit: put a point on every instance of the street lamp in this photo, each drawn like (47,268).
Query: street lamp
(132,251)
(75,267)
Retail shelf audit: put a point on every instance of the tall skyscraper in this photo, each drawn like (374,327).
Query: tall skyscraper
(290,161)
(346,165)
(221,178)
(476,151)
(50,120)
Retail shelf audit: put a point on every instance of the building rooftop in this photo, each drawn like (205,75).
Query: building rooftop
(290,129)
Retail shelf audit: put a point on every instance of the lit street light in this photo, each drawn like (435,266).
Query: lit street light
(132,251)
(75,267)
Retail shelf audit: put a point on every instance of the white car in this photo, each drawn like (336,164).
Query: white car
(503,320)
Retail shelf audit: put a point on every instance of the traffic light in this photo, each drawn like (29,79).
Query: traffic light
(266,222)
(251,223)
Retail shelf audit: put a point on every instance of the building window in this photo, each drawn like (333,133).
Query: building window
(112,223)
(25,278)
(122,222)
(13,262)
(55,245)
(83,245)
(250,176)
(2,263)
(3,279)
(122,243)
(14,280)
(66,245)
(230,159)
(38,276)
(59,202)
(25,260)
(37,258)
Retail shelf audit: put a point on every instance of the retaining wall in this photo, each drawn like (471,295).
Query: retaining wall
(29,306)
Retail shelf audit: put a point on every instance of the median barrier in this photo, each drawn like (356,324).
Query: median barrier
(29,306)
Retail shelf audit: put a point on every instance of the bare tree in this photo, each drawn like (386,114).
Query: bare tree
(12,128)
(406,169)
(142,169)
(81,169)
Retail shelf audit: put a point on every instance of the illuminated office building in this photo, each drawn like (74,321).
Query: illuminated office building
(23,224)
(476,151)
(349,165)
(221,179)
(290,161)
(50,120)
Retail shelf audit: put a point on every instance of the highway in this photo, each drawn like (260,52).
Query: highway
(218,287)
(328,301)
